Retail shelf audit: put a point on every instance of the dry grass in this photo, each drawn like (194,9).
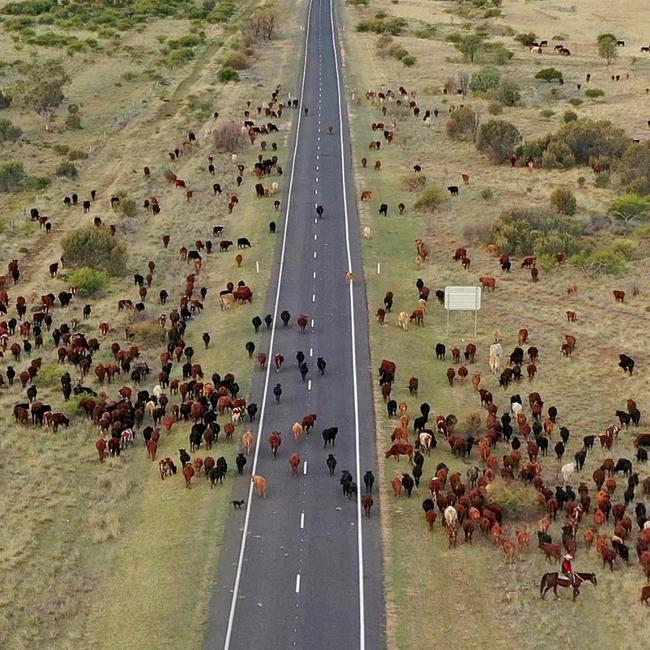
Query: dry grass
(498,604)
(108,555)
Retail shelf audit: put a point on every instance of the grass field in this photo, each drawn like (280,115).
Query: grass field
(494,604)
(93,555)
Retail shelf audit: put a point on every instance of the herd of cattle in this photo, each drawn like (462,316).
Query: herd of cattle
(132,415)
(510,446)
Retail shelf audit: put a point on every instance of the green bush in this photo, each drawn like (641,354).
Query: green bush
(469,46)
(549,74)
(67,169)
(12,175)
(128,207)
(495,108)
(547,112)
(495,53)
(507,93)
(89,281)
(95,248)
(487,78)
(36,183)
(634,168)
(9,132)
(576,101)
(516,498)
(593,93)
(497,140)
(227,74)
(524,231)
(602,180)
(430,199)
(598,263)
(413,182)
(383,24)
(487,194)
(49,374)
(397,52)
(61,149)
(569,116)
(626,248)
(558,156)
(526,39)
(630,208)
(427,31)
(461,124)
(564,201)
(409,60)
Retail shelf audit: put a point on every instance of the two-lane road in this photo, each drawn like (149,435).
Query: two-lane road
(308,574)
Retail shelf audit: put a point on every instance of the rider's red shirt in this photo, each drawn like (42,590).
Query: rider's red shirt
(566,566)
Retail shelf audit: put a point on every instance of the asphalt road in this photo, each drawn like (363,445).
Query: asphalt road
(308,576)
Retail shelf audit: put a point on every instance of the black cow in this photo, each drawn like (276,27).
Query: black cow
(623,465)
(441,350)
(627,363)
(453,190)
(272,227)
(329,436)
(383,209)
(240,461)
(242,242)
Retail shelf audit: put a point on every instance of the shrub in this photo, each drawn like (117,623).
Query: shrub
(227,74)
(558,156)
(50,374)
(547,112)
(430,199)
(36,183)
(397,51)
(563,200)
(5,100)
(61,149)
(526,39)
(525,231)
(570,116)
(148,331)
(228,137)
(593,93)
(599,263)
(12,175)
(581,181)
(236,61)
(634,168)
(9,132)
(89,281)
(383,24)
(549,74)
(626,248)
(602,180)
(495,108)
(128,207)
(427,31)
(630,208)
(73,121)
(77,154)
(470,46)
(67,169)
(497,139)
(607,48)
(516,498)
(487,194)
(409,60)
(461,124)
(95,248)
(576,101)
(487,78)
(507,93)
(413,182)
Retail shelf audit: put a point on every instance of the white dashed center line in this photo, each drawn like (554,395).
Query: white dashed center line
(314,275)
(314,254)
(304,469)
(312,322)
(313,297)
(309,384)
(302,520)
(315,236)
(311,352)
(298,583)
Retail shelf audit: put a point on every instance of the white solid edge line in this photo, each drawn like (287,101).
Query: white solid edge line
(362,625)
(240,562)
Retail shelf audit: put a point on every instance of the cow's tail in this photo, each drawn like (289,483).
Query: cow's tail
(542,584)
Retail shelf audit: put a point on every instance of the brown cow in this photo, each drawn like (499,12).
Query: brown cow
(260,485)
(366,195)
(619,296)
(398,450)
(488,283)
(571,316)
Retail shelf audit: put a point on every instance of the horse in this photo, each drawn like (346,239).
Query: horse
(555,580)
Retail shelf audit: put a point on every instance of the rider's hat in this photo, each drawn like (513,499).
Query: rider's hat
(568,556)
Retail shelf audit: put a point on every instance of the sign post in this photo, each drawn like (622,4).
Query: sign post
(463,299)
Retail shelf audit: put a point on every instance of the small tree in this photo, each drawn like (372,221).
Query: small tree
(507,93)
(630,208)
(526,39)
(607,48)
(487,78)
(634,168)
(498,139)
(227,74)
(600,263)
(128,207)
(42,89)
(229,137)
(462,124)
(67,169)
(9,132)
(12,175)
(89,281)
(95,248)
(260,25)
(470,46)
(564,201)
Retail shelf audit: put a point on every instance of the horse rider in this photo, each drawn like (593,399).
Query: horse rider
(567,569)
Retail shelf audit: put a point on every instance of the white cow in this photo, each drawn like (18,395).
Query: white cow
(451,516)
(567,471)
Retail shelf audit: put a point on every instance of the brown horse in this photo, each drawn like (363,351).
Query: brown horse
(555,580)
